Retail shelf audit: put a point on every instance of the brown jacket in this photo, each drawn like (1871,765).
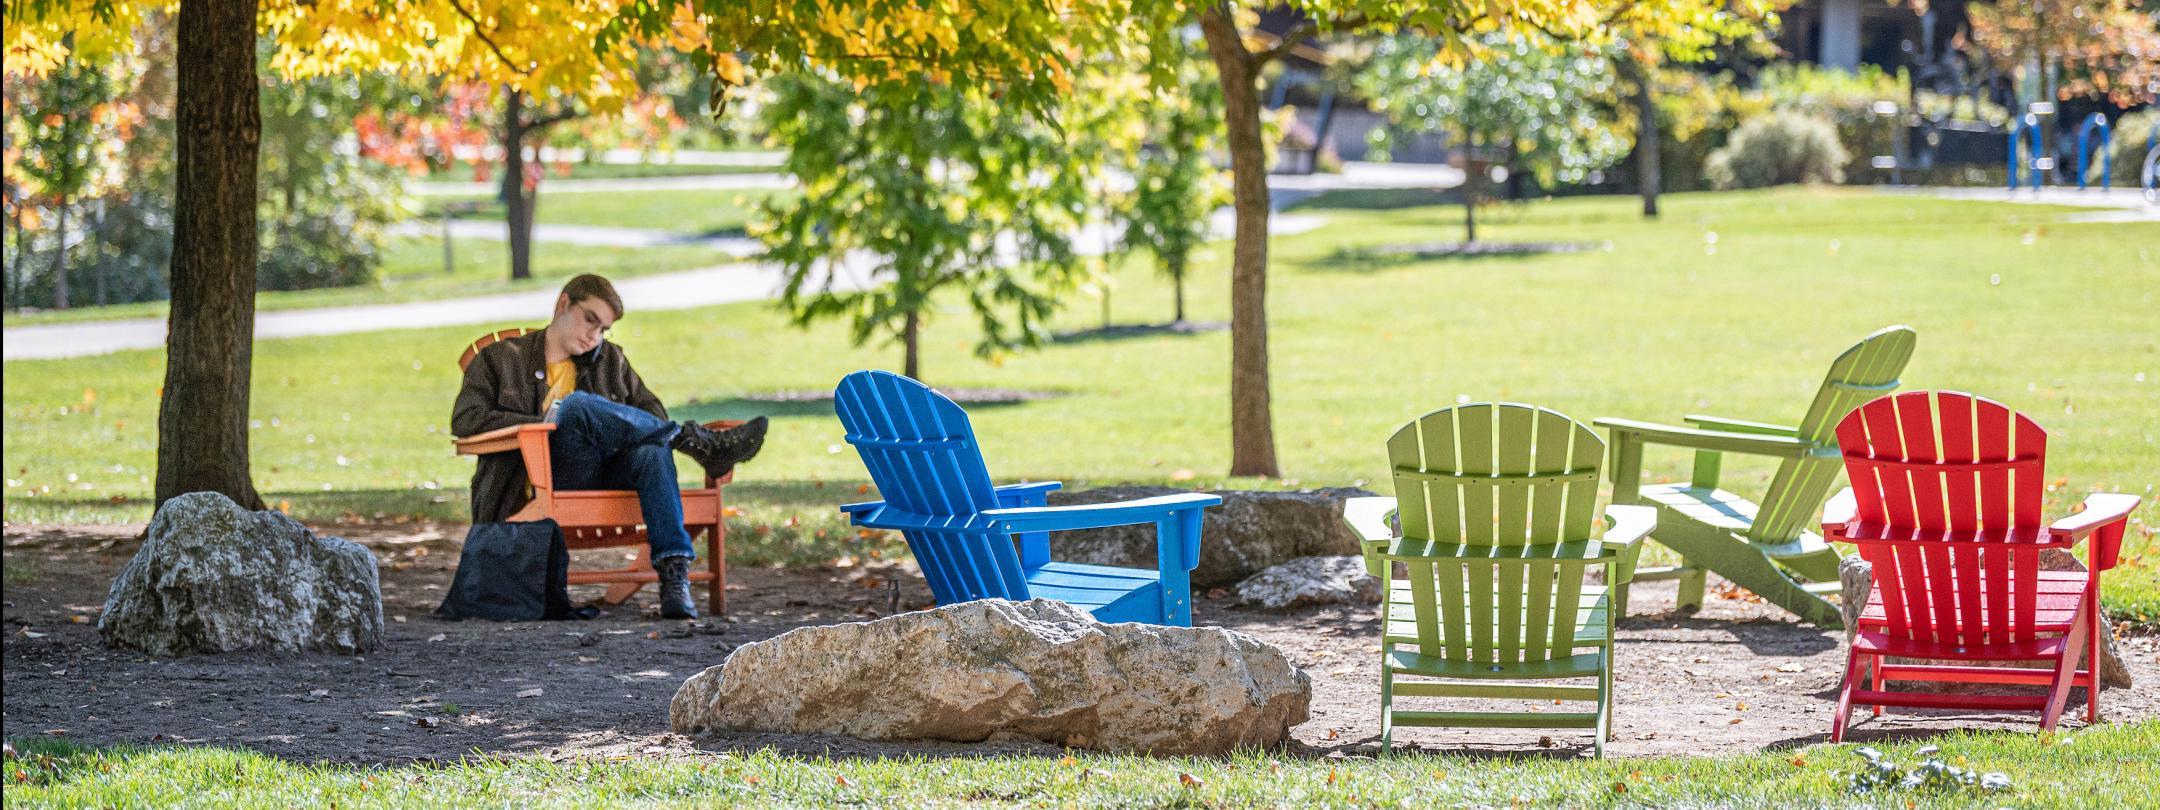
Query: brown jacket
(505,385)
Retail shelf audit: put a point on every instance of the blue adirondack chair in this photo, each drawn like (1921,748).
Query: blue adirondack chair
(921,453)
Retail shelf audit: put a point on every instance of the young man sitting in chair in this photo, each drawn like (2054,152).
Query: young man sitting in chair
(611,432)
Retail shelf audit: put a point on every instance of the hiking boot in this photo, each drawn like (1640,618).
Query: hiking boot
(675,601)
(718,451)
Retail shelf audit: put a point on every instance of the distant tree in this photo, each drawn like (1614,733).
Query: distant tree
(1530,97)
(61,127)
(2099,48)
(1176,185)
(944,188)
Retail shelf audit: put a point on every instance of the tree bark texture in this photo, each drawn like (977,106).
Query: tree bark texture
(1252,428)
(911,339)
(1471,181)
(1649,175)
(203,413)
(518,213)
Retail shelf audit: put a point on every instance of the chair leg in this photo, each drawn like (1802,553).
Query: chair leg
(621,592)
(1692,585)
(716,561)
(1844,701)
(1605,702)
(1750,568)
(2066,667)
(1875,678)
(1387,706)
(2093,650)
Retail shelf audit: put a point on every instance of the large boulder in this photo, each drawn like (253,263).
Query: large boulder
(1248,533)
(1039,669)
(1306,581)
(1858,578)
(212,577)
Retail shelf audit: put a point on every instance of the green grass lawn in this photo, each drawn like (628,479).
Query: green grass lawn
(1660,320)
(697,212)
(413,270)
(2107,766)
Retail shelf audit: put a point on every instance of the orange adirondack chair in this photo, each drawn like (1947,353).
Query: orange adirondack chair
(605,518)
(1945,502)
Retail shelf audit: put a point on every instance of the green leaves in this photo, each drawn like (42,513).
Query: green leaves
(1537,97)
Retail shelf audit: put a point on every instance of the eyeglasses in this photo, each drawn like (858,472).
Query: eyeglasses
(592,321)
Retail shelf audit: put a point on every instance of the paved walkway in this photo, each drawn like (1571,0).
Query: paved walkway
(2121,204)
(747,281)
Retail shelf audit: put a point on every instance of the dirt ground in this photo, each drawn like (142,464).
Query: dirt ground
(1735,677)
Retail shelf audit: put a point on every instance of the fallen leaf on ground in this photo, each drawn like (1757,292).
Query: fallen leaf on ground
(1791,668)
(531,693)
(1189,780)
(399,619)
(438,637)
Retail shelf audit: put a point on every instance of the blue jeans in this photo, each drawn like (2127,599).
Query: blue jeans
(602,444)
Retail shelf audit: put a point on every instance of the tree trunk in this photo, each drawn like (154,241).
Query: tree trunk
(1177,291)
(203,413)
(1252,429)
(1471,181)
(59,262)
(1648,174)
(911,338)
(518,210)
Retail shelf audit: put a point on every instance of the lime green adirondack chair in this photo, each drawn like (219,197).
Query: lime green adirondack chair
(1495,502)
(1765,548)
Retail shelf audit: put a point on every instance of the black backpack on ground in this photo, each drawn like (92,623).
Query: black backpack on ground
(511,572)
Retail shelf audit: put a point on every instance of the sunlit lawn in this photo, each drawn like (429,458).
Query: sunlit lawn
(2107,766)
(1731,304)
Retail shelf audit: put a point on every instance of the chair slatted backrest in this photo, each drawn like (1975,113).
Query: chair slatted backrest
(1799,487)
(922,455)
(1510,491)
(1948,493)
(465,360)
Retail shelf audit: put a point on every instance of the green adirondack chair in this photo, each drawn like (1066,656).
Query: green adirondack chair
(1765,548)
(1495,503)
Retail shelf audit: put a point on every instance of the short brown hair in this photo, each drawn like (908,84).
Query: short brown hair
(593,286)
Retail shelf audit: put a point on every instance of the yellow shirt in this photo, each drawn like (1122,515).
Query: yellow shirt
(561,380)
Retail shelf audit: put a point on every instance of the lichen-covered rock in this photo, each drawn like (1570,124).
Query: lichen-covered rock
(1039,669)
(1247,534)
(1332,580)
(212,577)
(1857,577)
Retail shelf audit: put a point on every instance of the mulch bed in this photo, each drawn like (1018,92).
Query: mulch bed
(1735,677)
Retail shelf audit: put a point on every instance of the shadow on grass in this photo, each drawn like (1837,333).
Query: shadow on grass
(705,410)
(1384,257)
(1375,199)
(1129,331)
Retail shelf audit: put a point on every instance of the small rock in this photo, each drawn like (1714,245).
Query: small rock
(1249,532)
(1311,581)
(212,577)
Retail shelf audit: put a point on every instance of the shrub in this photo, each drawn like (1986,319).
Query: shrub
(1779,148)
(2129,133)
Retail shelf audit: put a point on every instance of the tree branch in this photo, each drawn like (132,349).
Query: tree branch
(1303,31)
(538,124)
(507,61)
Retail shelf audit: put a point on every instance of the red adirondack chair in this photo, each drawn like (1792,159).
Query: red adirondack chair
(605,518)
(1945,502)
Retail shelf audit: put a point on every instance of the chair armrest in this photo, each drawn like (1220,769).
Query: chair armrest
(1719,440)
(2105,516)
(1030,494)
(1098,515)
(1839,512)
(1624,538)
(1369,518)
(1009,496)
(1738,425)
(499,440)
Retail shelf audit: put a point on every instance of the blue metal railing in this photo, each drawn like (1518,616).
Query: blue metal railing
(2107,154)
